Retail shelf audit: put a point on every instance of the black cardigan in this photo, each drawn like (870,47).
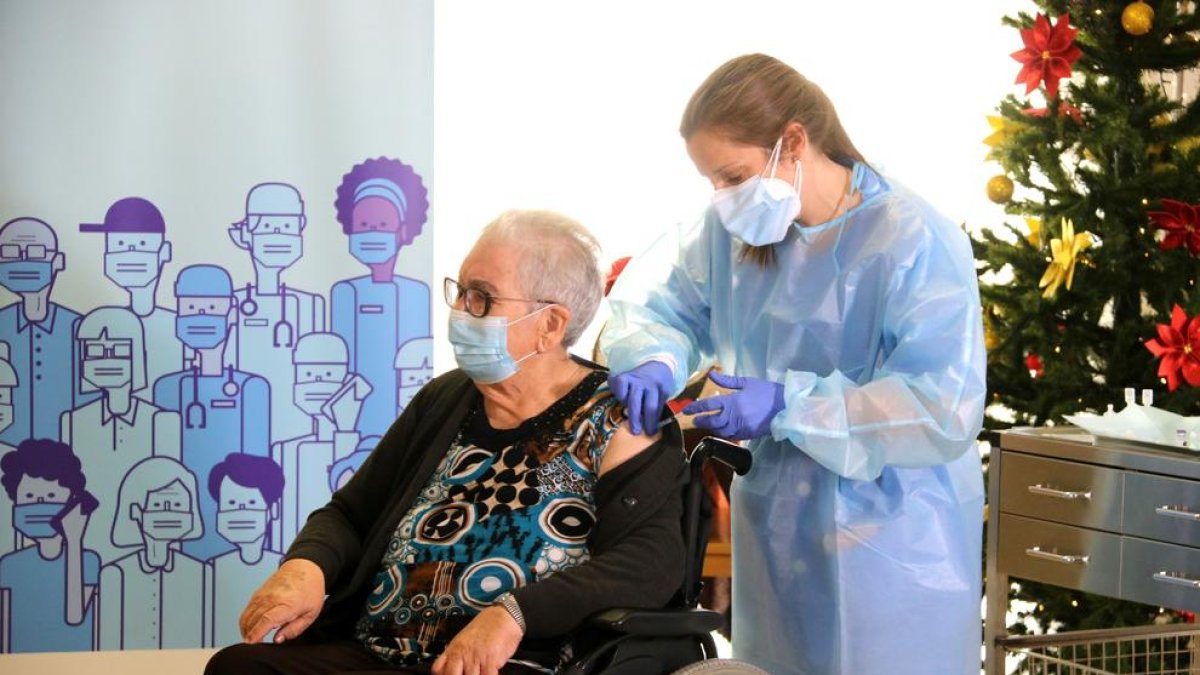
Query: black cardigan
(636,545)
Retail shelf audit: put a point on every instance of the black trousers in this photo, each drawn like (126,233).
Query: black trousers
(327,658)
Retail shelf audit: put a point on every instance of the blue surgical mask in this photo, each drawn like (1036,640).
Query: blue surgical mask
(108,373)
(371,248)
(201,331)
(167,525)
(481,346)
(25,276)
(131,269)
(33,520)
(277,250)
(6,415)
(310,396)
(760,210)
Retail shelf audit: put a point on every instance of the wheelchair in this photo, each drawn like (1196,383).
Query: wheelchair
(677,639)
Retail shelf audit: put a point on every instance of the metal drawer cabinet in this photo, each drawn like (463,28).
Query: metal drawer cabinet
(1108,517)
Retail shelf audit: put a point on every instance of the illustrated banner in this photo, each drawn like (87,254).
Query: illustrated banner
(215,246)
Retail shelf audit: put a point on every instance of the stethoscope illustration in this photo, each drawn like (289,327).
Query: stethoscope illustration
(249,307)
(229,388)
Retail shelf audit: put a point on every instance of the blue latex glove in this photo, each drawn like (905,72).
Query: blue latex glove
(644,390)
(744,414)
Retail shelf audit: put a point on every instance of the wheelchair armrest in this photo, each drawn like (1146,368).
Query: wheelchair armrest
(658,622)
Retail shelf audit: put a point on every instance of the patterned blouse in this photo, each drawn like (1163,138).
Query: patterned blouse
(505,508)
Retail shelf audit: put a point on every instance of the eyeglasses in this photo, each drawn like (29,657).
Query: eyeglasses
(477,301)
(27,252)
(99,350)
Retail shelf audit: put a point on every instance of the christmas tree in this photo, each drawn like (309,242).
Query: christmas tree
(1089,287)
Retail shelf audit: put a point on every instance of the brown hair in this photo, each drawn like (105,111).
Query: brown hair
(750,99)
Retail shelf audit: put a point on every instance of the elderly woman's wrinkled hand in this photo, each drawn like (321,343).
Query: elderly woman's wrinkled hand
(289,601)
(483,647)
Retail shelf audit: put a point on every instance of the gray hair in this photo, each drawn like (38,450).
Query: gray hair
(559,262)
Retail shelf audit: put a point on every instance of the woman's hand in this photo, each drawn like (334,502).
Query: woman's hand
(289,600)
(744,414)
(483,647)
(644,390)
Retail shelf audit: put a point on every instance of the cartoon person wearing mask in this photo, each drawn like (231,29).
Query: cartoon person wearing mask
(49,586)
(117,430)
(382,206)
(414,367)
(332,397)
(156,596)
(273,315)
(135,251)
(222,408)
(39,332)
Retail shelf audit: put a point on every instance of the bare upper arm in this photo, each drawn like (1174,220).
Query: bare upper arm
(623,446)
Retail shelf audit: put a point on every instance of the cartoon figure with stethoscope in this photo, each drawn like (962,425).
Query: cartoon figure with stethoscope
(224,409)
(272,316)
(381,205)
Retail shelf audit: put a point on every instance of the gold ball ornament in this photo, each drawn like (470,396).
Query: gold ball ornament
(1137,18)
(1000,189)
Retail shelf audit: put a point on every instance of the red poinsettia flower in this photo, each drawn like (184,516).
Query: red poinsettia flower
(1178,345)
(1048,54)
(1181,223)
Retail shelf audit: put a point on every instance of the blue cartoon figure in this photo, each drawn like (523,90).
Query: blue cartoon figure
(272,315)
(247,490)
(331,396)
(135,250)
(223,409)
(382,206)
(117,430)
(9,539)
(414,367)
(47,590)
(156,596)
(344,469)
(38,332)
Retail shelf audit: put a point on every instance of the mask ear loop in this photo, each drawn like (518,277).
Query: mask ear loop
(773,161)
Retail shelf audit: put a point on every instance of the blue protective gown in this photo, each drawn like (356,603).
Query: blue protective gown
(857,533)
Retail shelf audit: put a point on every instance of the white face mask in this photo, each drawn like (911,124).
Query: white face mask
(760,210)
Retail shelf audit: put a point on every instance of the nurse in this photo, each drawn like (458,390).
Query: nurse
(272,315)
(223,409)
(381,205)
(845,314)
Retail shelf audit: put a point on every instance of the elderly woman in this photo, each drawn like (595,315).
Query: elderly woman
(508,502)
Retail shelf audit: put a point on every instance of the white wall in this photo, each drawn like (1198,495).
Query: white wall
(575,106)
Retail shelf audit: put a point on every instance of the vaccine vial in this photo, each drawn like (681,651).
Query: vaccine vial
(1147,397)
(1181,437)
(1130,396)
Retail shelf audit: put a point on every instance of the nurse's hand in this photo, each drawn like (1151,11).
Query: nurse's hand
(644,390)
(743,414)
(289,601)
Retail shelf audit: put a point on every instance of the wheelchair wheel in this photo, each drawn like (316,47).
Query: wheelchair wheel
(720,667)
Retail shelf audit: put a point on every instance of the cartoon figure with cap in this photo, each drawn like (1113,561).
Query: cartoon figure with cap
(414,367)
(117,430)
(273,315)
(331,396)
(222,408)
(382,206)
(135,250)
(247,490)
(47,589)
(39,332)
(155,597)
(9,539)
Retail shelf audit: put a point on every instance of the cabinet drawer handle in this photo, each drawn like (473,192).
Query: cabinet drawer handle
(1059,494)
(1176,579)
(1037,552)
(1177,512)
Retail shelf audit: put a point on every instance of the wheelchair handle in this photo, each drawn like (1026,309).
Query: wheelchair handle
(726,452)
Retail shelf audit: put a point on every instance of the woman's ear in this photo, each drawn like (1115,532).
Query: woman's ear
(795,141)
(554,327)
